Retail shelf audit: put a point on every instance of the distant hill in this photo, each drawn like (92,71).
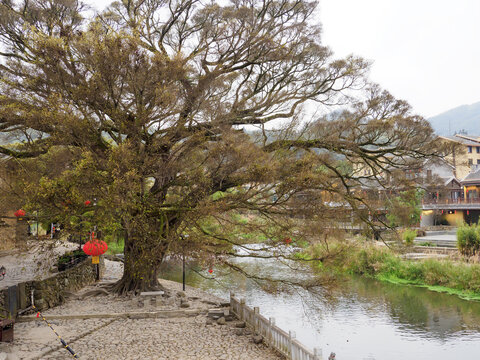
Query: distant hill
(465,117)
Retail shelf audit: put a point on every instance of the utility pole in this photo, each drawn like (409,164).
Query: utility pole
(183,237)
(184,269)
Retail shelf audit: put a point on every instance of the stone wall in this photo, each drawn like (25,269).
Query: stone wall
(7,233)
(21,231)
(48,292)
(3,294)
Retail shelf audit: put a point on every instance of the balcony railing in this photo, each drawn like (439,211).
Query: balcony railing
(451,201)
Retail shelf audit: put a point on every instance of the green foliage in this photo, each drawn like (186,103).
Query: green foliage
(444,275)
(69,258)
(218,195)
(427,243)
(468,239)
(145,119)
(408,235)
(239,219)
(405,209)
(239,228)
(116,247)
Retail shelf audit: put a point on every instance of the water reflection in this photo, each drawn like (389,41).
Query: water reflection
(359,318)
(428,313)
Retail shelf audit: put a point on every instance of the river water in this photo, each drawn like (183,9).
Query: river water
(357,318)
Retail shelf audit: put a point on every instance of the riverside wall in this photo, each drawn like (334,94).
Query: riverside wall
(48,292)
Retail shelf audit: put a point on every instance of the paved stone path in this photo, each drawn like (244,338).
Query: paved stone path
(132,339)
(180,338)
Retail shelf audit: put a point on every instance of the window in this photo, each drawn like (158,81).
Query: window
(478,149)
(478,161)
(469,149)
(470,161)
(429,174)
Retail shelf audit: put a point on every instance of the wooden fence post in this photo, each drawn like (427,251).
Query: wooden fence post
(271,324)
(291,336)
(242,309)
(285,344)
(232,295)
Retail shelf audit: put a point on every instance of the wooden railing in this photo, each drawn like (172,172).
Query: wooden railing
(451,201)
(283,342)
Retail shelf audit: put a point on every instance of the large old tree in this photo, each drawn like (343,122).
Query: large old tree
(148,110)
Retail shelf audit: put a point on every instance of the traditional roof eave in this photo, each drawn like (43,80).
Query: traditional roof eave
(477,140)
(472,178)
(452,178)
(461,140)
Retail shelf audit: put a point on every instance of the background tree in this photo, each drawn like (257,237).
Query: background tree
(405,208)
(146,102)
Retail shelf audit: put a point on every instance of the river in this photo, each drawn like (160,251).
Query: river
(358,318)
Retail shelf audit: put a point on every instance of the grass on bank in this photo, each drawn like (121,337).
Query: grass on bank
(458,278)
(116,247)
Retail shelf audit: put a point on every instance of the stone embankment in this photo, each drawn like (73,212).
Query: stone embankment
(34,262)
(126,328)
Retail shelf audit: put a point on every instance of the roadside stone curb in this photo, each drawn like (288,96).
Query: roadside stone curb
(164,314)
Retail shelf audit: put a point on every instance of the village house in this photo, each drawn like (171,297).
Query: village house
(458,200)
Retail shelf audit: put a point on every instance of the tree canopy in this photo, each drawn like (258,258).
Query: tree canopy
(148,110)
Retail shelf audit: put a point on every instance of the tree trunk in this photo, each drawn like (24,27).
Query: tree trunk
(143,257)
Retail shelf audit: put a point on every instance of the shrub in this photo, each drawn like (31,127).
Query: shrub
(383,263)
(468,239)
(69,259)
(116,247)
(409,235)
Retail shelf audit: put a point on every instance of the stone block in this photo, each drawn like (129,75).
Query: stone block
(6,330)
(151,298)
(257,339)
(239,332)
(22,296)
(11,300)
(217,313)
(240,324)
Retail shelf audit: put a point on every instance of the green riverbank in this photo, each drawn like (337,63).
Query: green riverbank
(447,276)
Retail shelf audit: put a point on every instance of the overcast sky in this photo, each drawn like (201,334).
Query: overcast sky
(424,51)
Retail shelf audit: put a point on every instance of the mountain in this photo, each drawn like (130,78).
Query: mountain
(465,117)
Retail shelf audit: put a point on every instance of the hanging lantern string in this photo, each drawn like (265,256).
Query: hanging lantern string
(70,350)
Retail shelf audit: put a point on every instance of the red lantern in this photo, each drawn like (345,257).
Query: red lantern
(95,248)
(210,271)
(288,240)
(19,213)
(88,202)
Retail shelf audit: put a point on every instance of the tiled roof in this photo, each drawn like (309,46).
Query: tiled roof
(470,141)
(450,179)
(474,138)
(473,176)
